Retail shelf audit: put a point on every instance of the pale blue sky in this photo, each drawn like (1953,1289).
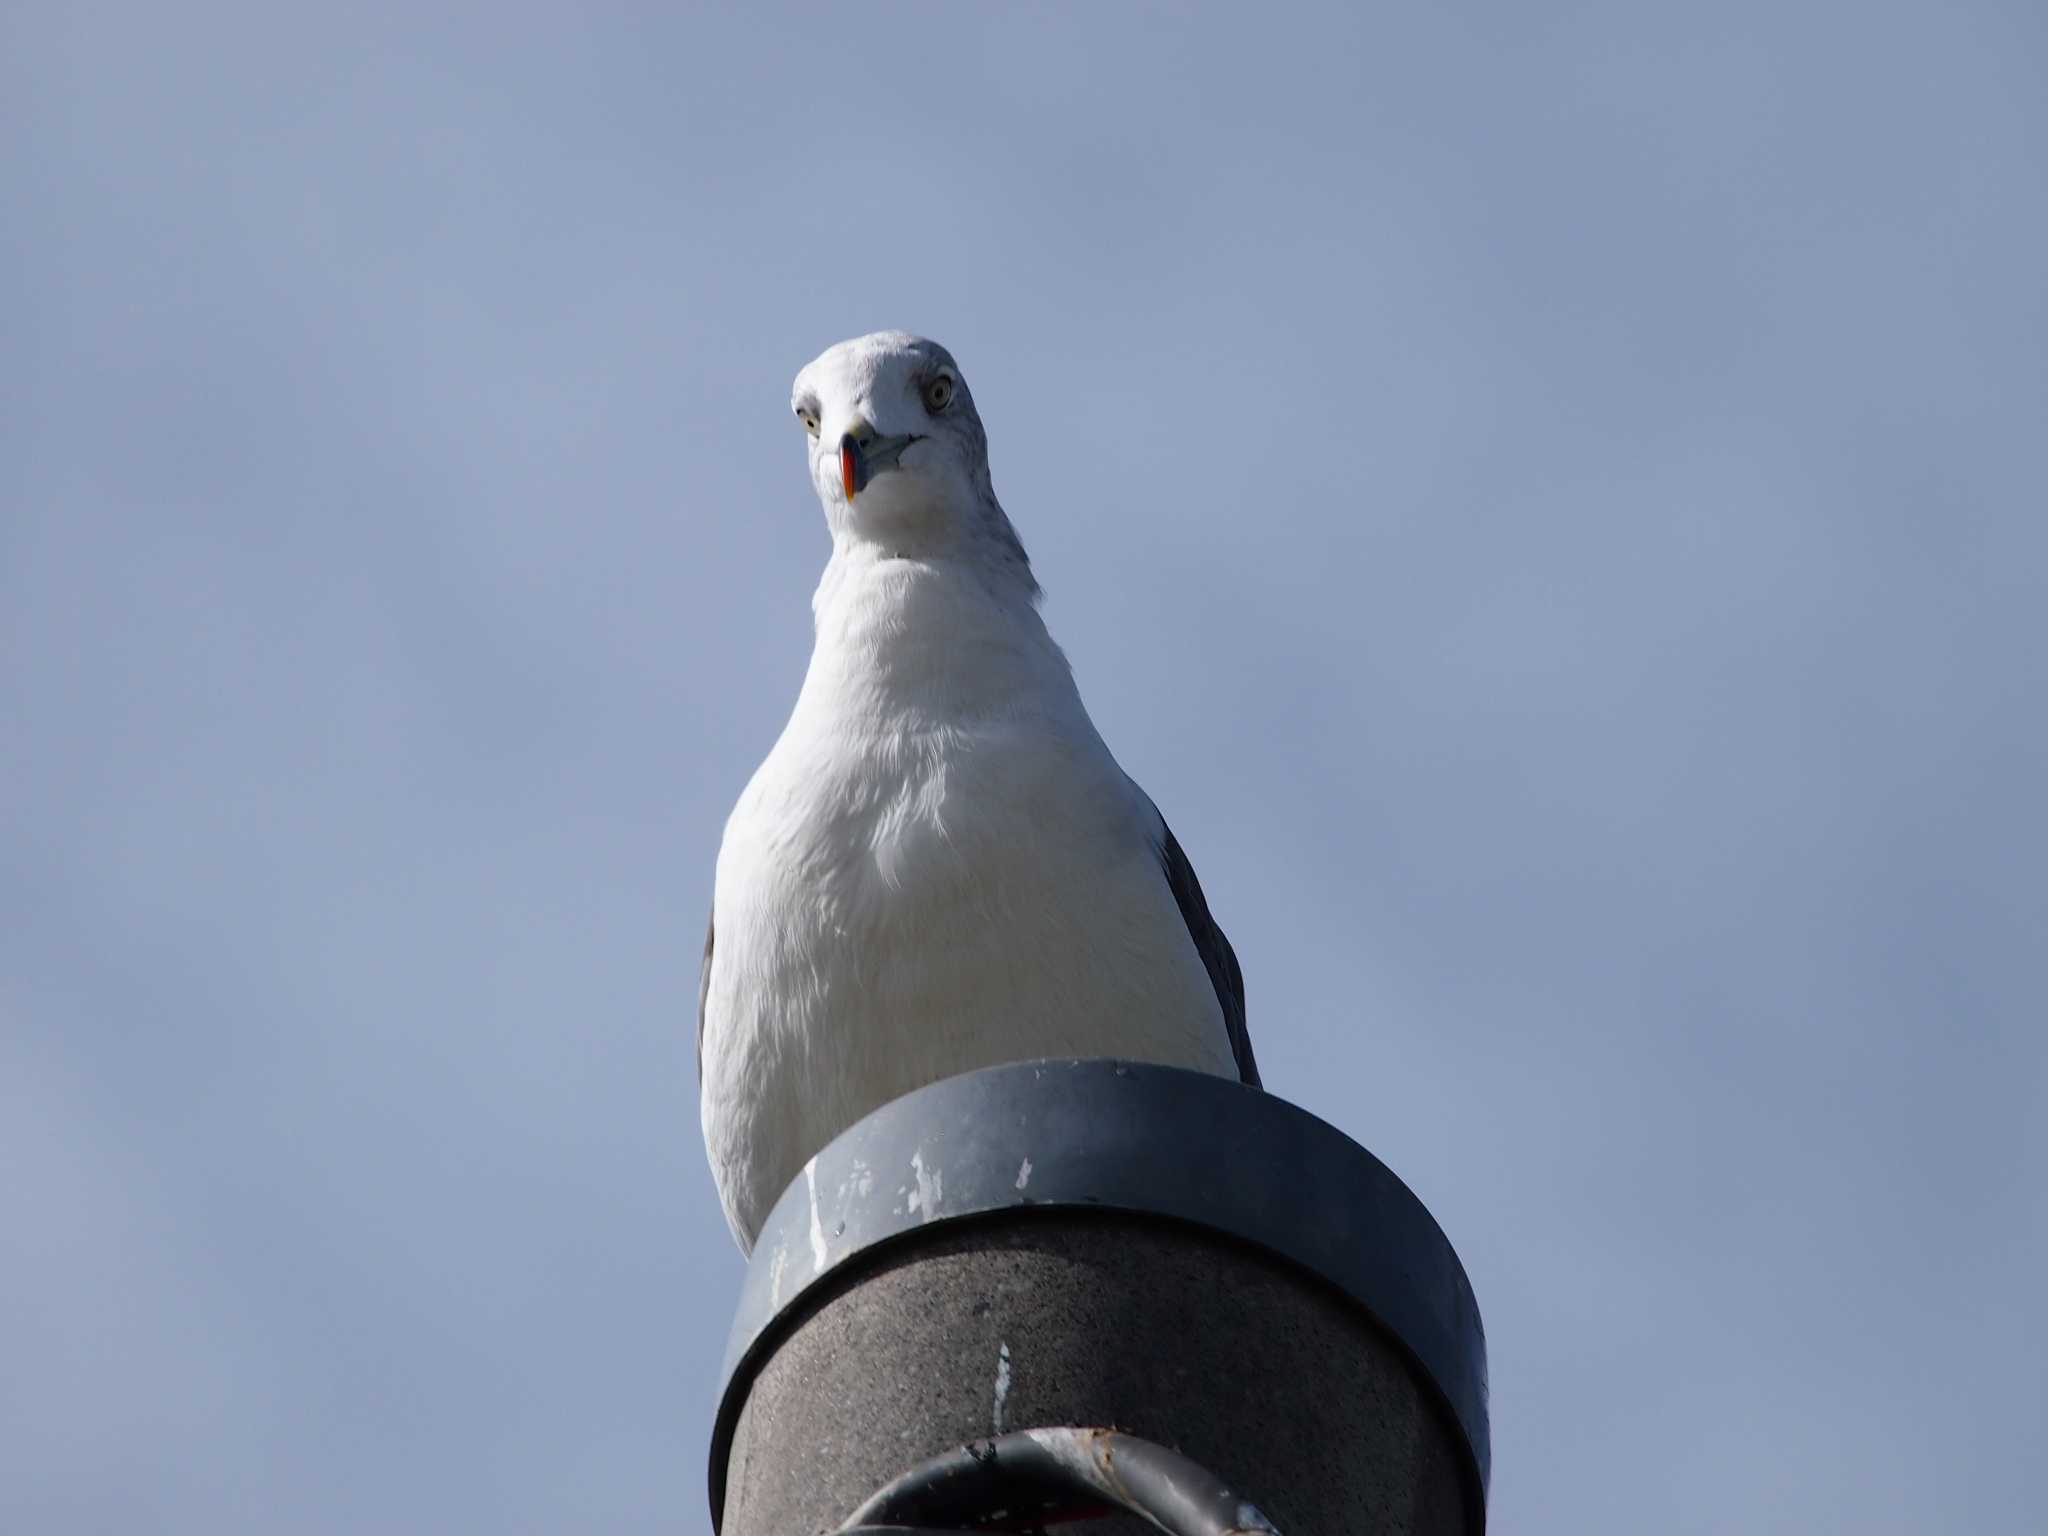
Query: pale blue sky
(1549,499)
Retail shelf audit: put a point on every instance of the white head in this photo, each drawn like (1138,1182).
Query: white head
(898,454)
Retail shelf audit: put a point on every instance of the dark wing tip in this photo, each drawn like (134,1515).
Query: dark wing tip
(1218,958)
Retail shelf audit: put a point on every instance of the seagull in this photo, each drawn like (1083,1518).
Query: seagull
(939,866)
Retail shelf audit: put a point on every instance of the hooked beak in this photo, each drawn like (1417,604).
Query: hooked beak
(862,456)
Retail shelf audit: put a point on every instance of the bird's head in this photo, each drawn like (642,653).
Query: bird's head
(897,450)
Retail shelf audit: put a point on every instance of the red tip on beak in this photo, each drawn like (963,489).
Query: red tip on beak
(849,467)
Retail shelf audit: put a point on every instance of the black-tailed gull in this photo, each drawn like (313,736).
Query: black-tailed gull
(939,866)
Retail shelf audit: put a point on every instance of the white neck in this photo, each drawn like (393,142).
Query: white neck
(931,639)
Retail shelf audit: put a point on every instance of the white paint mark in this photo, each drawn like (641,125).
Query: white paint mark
(1024,1174)
(817,1226)
(1064,1447)
(931,1188)
(1002,1383)
(775,1276)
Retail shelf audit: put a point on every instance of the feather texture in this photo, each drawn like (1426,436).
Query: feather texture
(939,866)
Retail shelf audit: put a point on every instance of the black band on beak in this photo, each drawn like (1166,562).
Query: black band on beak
(853,466)
(861,458)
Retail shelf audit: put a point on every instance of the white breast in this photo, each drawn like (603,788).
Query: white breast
(932,873)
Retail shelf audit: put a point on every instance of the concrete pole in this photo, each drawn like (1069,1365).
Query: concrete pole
(1106,1244)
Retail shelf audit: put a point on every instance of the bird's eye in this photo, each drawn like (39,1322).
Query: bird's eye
(938,392)
(808,415)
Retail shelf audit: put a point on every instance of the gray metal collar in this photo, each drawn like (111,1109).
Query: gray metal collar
(1120,1136)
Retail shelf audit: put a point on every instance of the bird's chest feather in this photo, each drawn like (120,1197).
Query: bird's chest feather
(922,836)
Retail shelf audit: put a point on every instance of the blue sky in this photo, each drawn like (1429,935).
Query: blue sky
(1549,500)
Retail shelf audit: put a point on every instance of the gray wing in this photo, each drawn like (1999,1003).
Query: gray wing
(1218,958)
(704,993)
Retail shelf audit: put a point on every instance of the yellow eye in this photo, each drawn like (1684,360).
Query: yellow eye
(809,418)
(938,393)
